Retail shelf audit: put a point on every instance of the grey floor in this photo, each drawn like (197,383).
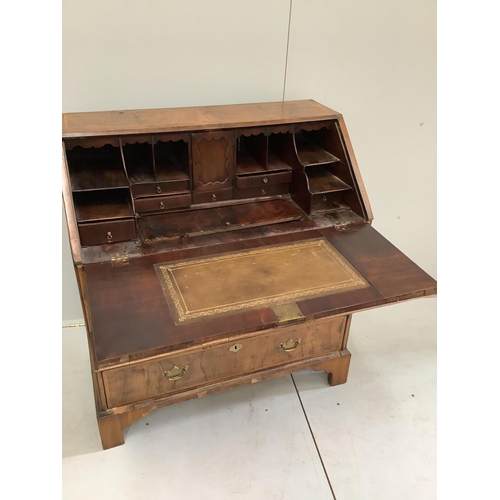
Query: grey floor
(375,435)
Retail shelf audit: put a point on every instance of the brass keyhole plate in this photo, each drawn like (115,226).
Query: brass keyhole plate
(235,347)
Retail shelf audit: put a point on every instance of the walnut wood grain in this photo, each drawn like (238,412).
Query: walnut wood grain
(312,154)
(162,203)
(178,183)
(118,164)
(94,206)
(92,169)
(211,220)
(113,293)
(69,210)
(263,180)
(106,232)
(284,146)
(386,267)
(259,192)
(213,162)
(246,164)
(139,121)
(111,427)
(355,169)
(337,368)
(322,180)
(213,196)
(145,380)
(113,422)
(326,201)
(274,162)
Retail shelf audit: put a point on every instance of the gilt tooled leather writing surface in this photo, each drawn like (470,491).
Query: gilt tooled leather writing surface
(249,279)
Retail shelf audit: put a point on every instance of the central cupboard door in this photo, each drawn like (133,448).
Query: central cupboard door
(213,161)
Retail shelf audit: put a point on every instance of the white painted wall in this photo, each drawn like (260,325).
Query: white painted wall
(374,61)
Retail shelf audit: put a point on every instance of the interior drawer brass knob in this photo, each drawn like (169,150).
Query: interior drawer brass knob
(214,197)
(158,189)
(290,344)
(109,236)
(264,180)
(162,206)
(263,191)
(324,198)
(176,373)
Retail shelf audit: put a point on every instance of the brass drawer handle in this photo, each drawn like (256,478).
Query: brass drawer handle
(162,206)
(109,236)
(290,344)
(158,189)
(214,197)
(324,198)
(264,180)
(176,373)
(263,191)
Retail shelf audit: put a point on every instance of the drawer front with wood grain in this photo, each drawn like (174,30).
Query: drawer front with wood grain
(210,197)
(100,233)
(264,180)
(159,188)
(160,203)
(325,201)
(262,191)
(198,366)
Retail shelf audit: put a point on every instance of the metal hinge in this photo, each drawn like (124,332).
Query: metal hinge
(288,313)
(340,222)
(119,259)
(341,225)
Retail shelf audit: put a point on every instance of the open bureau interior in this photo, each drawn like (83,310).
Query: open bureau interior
(219,246)
(171,186)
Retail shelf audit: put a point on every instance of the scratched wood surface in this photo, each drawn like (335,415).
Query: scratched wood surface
(160,186)
(130,299)
(147,379)
(98,123)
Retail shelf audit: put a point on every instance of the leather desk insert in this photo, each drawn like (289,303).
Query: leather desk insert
(219,246)
(255,278)
(242,355)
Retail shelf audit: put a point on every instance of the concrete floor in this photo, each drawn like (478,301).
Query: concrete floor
(376,434)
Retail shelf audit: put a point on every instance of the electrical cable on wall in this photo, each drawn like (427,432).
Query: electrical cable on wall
(286,57)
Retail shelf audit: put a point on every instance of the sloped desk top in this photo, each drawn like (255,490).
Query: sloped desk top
(251,279)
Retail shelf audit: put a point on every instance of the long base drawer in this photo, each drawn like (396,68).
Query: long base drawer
(197,366)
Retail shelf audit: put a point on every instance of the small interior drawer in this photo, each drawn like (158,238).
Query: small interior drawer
(198,366)
(210,197)
(159,188)
(266,190)
(325,201)
(100,233)
(161,203)
(263,180)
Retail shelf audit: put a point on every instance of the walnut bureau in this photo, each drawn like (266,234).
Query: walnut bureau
(219,246)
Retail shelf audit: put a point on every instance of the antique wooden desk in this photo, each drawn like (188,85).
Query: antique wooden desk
(219,246)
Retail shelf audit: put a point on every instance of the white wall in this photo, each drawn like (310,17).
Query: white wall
(375,62)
